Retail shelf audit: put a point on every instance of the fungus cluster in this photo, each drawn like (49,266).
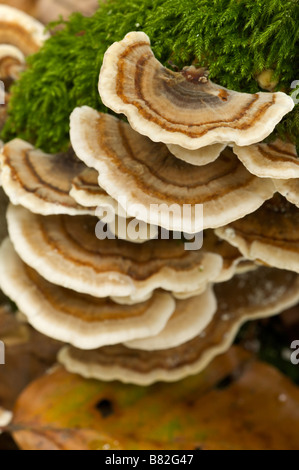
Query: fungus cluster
(20,36)
(145,312)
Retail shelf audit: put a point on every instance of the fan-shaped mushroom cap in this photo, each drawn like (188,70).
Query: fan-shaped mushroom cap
(87,192)
(259,294)
(198,157)
(275,160)
(231,256)
(81,320)
(241,267)
(21,30)
(270,235)
(132,230)
(289,189)
(158,188)
(233,261)
(190,318)
(246,266)
(12,62)
(39,181)
(183,108)
(65,251)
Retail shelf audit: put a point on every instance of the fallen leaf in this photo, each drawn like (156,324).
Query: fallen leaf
(236,403)
(28,354)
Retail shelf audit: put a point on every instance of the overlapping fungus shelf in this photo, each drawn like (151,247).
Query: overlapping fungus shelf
(270,235)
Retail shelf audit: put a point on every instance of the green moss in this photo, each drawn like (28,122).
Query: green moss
(290,126)
(236,39)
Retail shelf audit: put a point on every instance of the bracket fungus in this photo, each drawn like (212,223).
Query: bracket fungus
(233,261)
(38,181)
(20,36)
(270,235)
(231,256)
(152,183)
(278,160)
(190,318)
(191,159)
(289,189)
(183,108)
(198,157)
(21,30)
(87,192)
(12,62)
(65,251)
(84,321)
(246,266)
(259,294)
(132,230)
